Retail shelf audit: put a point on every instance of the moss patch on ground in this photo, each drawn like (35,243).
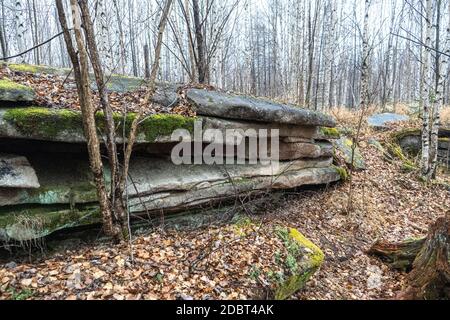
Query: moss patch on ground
(49,123)
(342,172)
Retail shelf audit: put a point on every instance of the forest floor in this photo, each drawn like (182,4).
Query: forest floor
(230,261)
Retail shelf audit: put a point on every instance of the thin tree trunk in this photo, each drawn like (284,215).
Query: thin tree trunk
(151,88)
(80,67)
(425,159)
(118,209)
(364,95)
(201,59)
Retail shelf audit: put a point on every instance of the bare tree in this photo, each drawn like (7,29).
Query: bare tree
(112,207)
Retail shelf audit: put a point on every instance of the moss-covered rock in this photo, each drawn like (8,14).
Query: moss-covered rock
(329,133)
(29,223)
(29,68)
(342,172)
(11,91)
(344,148)
(115,82)
(67,125)
(304,259)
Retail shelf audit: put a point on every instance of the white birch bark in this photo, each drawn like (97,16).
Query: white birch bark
(425,163)
(364,95)
(439,102)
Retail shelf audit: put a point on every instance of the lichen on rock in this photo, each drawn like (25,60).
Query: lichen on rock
(344,148)
(305,259)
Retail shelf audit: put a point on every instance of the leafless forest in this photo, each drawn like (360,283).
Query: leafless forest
(308,52)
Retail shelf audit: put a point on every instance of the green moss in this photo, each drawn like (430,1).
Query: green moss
(164,124)
(296,243)
(293,284)
(34,222)
(29,68)
(396,151)
(49,123)
(330,132)
(8,85)
(20,294)
(342,172)
(24,68)
(397,136)
(43,122)
(316,256)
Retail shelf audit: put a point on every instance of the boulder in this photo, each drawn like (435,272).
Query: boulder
(306,259)
(16,172)
(15,92)
(344,148)
(410,141)
(67,198)
(233,106)
(382,119)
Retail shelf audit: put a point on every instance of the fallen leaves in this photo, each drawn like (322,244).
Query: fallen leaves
(54,91)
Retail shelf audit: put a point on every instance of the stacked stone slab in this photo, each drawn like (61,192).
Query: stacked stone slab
(45,176)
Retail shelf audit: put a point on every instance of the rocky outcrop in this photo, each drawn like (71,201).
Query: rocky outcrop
(50,144)
(16,172)
(411,143)
(233,106)
(15,92)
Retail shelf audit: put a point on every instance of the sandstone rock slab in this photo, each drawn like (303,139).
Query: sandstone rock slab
(15,92)
(233,106)
(16,172)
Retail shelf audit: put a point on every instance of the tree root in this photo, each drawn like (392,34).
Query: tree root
(430,277)
(399,256)
(428,258)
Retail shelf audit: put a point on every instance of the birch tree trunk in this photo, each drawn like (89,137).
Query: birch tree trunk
(427,85)
(20,27)
(364,93)
(442,66)
(103,34)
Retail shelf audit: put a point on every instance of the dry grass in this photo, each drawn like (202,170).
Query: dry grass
(401,108)
(445,115)
(350,117)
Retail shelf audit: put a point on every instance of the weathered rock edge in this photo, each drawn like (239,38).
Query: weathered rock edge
(210,102)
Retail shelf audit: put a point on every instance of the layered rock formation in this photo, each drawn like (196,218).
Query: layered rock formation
(45,181)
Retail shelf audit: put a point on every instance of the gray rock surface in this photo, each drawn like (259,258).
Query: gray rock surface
(382,119)
(16,172)
(343,147)
(232,106)
(15,92)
